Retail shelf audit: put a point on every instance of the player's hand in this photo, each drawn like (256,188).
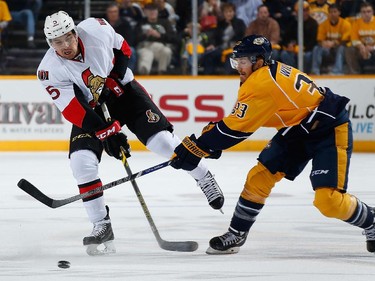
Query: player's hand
(189,153)
(112,86)
(113,139)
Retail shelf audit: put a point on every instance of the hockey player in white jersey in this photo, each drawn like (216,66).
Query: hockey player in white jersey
(85,67)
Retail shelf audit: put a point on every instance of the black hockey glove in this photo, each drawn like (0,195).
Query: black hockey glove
(112,86)
(189,153)
(112,139)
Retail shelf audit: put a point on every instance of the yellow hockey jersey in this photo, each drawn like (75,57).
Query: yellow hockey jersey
(277,96)
(279,99)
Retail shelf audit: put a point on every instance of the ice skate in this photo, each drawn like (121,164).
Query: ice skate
(212,191)
(228,243)
(100,241)
(370,237)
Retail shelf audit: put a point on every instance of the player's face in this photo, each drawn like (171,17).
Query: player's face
(243,66)
(66,45)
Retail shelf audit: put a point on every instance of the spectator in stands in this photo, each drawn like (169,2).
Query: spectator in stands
(187,47)
(22,13)
(319,10)
(184,9)
(166,11)
(130,11)
(228,31)
(362,51)
(333,35)
(122,27)
(282,11)
(209,13)
(155,41)
(246,10)
(268,27)
(210,7)
(289,54)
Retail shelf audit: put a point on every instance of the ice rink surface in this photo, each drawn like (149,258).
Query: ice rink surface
(291,240)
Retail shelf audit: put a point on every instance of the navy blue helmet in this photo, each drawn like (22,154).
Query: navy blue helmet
(253,46)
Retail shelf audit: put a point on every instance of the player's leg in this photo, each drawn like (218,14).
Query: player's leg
(258,185)
(329,178)
(136,109)
(278,160)
(85,152)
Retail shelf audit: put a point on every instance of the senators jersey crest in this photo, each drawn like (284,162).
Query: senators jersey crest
(94,82)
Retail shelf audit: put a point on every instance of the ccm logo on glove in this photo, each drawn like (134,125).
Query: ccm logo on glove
(112,129)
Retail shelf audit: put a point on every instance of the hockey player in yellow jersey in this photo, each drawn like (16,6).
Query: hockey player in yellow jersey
(312,124)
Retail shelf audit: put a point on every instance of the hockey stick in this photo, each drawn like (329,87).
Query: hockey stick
(55,203)
(179,246)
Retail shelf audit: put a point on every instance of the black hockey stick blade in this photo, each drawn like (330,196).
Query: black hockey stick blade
(178,246)
(55,203)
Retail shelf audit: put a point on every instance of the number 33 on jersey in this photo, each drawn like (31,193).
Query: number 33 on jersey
(276,96)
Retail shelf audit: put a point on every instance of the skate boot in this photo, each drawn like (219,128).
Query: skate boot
(102,237)
(370,236)
(228,243)
(212,191)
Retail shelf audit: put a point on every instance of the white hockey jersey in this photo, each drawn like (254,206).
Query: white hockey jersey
(60,76)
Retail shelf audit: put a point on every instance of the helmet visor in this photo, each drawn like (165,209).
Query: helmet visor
(242,62)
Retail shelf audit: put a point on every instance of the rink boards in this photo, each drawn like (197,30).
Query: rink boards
(30,122)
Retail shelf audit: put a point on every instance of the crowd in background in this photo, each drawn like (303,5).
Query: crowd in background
(339,36)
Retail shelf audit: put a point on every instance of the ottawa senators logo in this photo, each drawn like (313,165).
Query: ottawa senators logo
(152,117)
(94,83)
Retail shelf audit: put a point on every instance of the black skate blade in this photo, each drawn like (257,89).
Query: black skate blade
(212,251)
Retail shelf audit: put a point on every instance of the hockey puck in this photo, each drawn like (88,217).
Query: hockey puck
(63,264)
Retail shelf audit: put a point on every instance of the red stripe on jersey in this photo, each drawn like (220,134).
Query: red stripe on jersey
(74,112)
(126,49)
